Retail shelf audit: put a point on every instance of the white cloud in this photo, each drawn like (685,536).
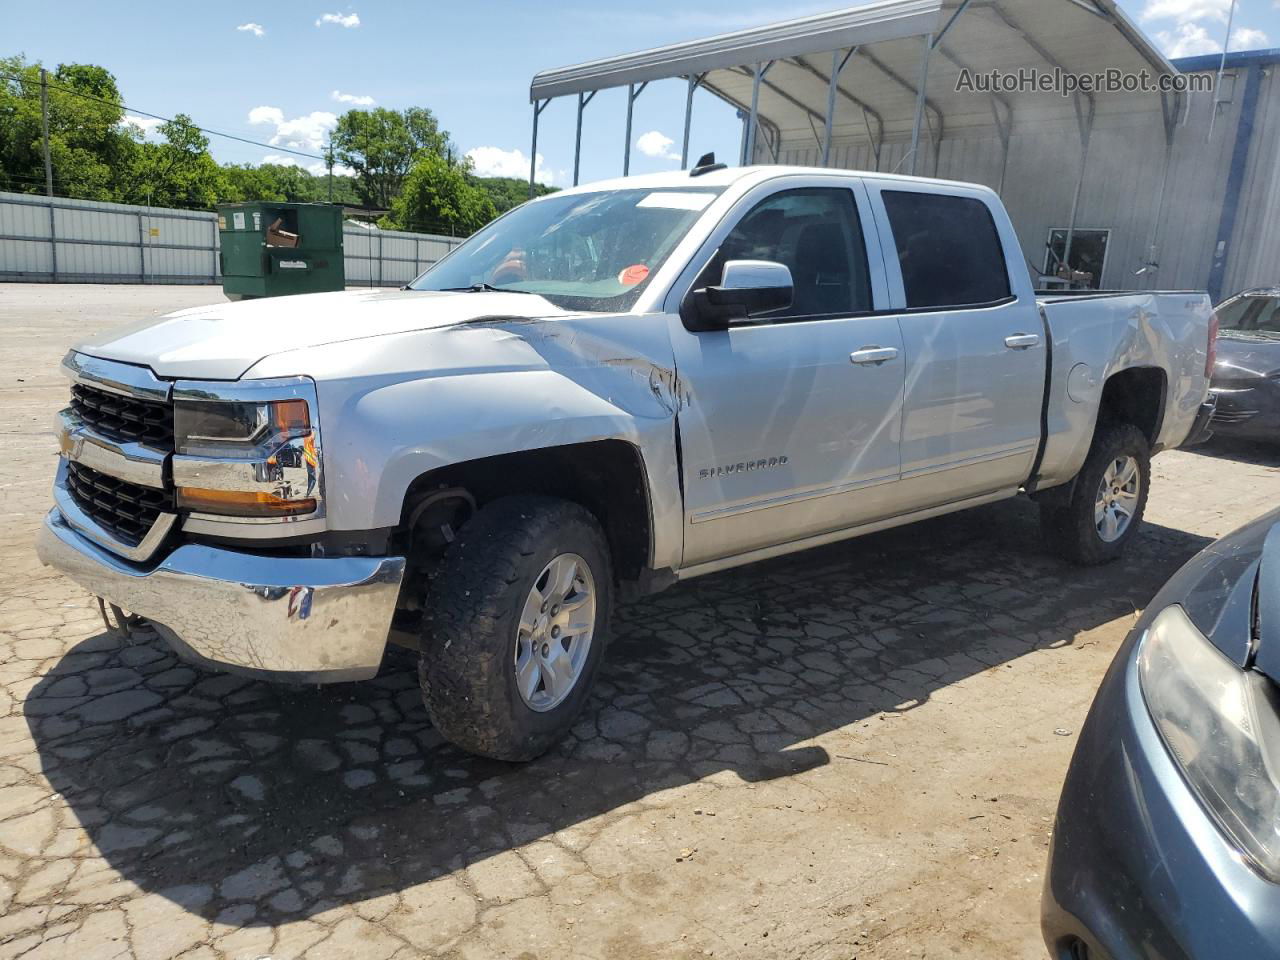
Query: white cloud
(347,20)
(352,98)
(256,29)
(1247,38)
(1189,40)
(656,144)
(308,132)
(1187,11)
(496,162)
(266,115)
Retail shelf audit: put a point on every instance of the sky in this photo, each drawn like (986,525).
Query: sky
(282,72)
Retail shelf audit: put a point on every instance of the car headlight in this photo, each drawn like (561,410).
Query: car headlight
(1222,728)
(247,452)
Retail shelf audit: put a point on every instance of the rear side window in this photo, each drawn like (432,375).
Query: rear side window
(948,249)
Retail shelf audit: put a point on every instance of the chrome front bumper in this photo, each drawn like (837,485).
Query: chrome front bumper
(306,620)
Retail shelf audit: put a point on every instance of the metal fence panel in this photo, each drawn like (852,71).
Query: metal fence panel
(95,242)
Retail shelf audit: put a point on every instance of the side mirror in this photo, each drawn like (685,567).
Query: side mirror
(748,288)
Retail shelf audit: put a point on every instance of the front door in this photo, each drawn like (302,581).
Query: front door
(790,426)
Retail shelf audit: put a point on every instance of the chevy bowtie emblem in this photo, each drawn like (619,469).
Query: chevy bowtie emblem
(743,467)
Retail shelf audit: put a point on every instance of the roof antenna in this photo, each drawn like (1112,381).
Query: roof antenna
(706,164)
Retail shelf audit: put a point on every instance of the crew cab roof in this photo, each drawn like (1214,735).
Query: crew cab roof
(743,176)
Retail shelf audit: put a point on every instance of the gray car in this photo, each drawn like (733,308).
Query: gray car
(1246,377)
(1167,840)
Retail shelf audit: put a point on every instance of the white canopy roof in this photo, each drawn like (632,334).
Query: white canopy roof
(881,76)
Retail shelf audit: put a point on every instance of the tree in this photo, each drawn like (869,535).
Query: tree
(508,192)
(284,181)
(439,196)
(86,141)
(381,146)
(180,172)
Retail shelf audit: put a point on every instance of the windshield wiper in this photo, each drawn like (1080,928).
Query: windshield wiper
(482,287)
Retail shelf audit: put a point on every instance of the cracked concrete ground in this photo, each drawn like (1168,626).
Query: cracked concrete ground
(854,752)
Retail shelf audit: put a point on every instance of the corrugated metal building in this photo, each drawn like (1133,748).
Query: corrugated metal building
(1173,189)
(86,241)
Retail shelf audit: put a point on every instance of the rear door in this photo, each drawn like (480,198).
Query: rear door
(790,423)
(973,337)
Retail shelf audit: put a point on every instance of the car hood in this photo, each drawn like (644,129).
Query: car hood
(222,341)
(1240,354)
(1231,592)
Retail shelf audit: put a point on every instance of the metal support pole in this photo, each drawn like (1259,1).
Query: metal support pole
(213,273)
(626,150)
(754,118)
(1222,65)
(920,98)
(688,119)
(538,106)
(44,131)
(1005,129)
(837,65)
(142,250)
(1085,122)
(1169,113)
(583,100)
(632,92)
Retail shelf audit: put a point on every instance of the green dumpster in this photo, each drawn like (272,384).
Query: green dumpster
(274,249)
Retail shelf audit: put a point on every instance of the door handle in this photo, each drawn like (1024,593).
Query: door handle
(873,355)
(1021,341)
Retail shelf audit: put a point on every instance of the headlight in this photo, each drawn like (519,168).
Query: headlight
(1221,725)
(221,428)
(247,452)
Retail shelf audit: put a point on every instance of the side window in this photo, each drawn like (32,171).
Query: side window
(948,249)
(816,233)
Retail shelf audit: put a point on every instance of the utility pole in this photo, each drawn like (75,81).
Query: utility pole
(329,159)
(44,129)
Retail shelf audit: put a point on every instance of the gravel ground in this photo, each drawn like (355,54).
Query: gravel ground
(851,753)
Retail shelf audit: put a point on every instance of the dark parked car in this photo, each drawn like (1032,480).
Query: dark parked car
(1246,378)
(1167,839)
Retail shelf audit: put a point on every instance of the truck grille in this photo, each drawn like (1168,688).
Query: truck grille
(124,419)
(125,510)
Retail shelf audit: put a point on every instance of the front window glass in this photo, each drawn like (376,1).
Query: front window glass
(582,251)
(814,232)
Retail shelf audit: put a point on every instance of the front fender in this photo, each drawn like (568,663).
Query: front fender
(434,398)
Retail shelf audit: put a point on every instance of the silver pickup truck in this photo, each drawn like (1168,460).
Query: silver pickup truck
(607,390)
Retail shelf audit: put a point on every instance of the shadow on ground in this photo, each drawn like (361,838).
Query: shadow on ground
(256,803)
(1239,451)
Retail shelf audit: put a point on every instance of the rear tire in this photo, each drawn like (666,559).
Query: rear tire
(515,626)
(1108,501)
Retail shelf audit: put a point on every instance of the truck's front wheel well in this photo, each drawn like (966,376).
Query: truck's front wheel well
(605,476)
(1135,396)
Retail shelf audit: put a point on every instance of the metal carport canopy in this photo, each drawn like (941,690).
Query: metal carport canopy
(879,54)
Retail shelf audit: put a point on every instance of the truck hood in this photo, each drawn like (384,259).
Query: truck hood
(222,341)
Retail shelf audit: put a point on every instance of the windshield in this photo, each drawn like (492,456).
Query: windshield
(583,251)
(1259,316)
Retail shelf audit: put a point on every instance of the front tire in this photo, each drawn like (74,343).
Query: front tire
(1108,501)
(515,626)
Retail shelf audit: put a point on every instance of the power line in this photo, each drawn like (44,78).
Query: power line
(155,116)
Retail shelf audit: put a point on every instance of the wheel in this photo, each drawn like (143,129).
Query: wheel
(1108,501)
(515,626)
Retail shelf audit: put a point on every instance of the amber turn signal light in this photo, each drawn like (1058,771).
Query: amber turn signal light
(238,503)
